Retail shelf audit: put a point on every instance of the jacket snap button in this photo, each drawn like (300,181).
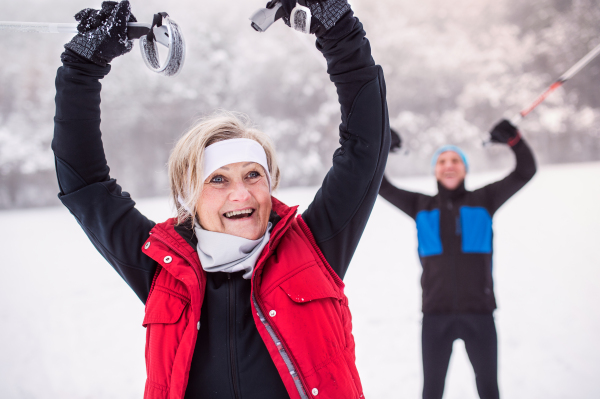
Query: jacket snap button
(147,245)
(167,259)
(272,313)
(315,391)
(198,326)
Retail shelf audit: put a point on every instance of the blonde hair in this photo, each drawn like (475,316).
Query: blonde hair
(187,157)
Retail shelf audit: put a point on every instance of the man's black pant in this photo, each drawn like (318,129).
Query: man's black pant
(478,331)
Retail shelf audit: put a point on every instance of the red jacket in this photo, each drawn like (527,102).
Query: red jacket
(306,323)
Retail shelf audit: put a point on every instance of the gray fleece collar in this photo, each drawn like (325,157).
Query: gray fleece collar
(220,252)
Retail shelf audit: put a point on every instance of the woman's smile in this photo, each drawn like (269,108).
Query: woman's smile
(241,214)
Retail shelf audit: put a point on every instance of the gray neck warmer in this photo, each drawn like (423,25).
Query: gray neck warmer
(220,252)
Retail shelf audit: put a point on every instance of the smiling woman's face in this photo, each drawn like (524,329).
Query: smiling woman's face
(236,200)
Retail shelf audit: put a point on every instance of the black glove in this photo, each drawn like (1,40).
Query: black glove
(325,13)
(396,142)
(504,132)
(102,34)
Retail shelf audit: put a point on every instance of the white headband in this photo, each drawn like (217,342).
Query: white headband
(229,151)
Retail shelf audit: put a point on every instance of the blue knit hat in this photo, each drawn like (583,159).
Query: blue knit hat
(452,148)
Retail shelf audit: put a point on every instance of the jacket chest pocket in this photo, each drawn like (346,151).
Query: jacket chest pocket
(166,319)
(164,307)
(312,317)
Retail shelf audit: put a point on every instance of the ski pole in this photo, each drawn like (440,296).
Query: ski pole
(559,82)
(135,30)
(166,32)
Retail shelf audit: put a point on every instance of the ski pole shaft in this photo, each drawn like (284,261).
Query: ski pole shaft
(580,64)
(559,82)
(165,31)
(135,30)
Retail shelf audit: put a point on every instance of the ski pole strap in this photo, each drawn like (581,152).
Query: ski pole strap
(165,31)
(513,141)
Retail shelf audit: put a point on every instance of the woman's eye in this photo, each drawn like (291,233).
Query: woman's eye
(217,179)
(253,175)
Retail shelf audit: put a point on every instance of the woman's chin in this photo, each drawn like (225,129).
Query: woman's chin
(245,228)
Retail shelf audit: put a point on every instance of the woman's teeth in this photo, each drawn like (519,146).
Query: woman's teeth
(239,214)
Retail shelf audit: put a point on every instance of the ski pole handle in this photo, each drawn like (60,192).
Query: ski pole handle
(299,18)
(265,17)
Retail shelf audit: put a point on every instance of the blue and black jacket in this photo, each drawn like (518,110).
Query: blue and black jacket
(454,231)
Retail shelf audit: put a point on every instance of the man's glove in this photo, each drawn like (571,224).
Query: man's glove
(504,132)
(325,13)
(396,142)
(102,34)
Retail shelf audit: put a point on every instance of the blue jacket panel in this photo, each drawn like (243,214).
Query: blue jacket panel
(476,229)
(428,232)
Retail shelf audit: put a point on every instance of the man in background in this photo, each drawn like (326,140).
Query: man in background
(454,229)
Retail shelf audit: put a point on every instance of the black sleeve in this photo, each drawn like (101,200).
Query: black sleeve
(499,192)
(106,214)
(342,206)
(404,200)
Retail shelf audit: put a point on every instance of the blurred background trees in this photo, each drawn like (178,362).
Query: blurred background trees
(452,70)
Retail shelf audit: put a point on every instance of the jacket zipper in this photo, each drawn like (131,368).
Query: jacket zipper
(303,394)
(236,393)
(303,391)
(454,252)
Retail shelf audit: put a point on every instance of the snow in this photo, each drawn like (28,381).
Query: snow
(70,327)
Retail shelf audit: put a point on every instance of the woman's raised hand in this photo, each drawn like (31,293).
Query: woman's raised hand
(102,34)
(325,13)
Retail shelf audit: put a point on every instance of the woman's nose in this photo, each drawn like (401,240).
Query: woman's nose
(239,192)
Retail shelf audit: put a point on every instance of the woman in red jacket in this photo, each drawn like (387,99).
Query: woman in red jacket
(244,299)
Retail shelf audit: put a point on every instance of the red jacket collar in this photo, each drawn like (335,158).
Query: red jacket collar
(286,214)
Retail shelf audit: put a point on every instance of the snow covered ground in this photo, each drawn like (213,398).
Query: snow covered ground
(70,327)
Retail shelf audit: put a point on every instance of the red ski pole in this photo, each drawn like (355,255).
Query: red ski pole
(566,76)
